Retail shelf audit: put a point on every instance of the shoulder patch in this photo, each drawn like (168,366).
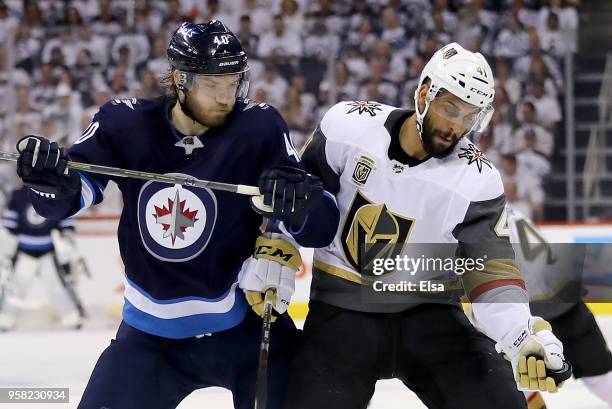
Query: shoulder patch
(474,155)
(364,106)
(129,102)
(248,104)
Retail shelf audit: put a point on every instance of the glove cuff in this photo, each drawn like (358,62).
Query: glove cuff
(278,250)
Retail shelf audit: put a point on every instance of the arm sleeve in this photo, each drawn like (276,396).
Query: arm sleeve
(498,294)
(484,234)
(315,161)
(93,146)
(322,222)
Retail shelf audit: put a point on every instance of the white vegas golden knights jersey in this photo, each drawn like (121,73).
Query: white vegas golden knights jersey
(385,196)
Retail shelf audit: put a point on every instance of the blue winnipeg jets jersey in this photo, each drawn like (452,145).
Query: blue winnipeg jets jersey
(32,230)
(183,247)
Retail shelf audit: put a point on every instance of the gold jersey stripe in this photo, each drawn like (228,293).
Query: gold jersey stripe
(336,271)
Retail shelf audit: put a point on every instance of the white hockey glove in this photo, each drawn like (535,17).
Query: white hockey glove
(536,356)
(273,265)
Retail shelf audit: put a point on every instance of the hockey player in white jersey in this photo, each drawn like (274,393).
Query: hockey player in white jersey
(547,268)
(414,177)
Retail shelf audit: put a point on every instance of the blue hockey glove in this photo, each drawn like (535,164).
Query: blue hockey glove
(42,165)
(289,194)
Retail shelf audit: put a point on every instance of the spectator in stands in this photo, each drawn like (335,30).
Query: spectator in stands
(527,16)
(158,65)
(73,20)
(85,76)
(149,86)
(538,71)
(485,144)
(260,16)
(102,95)
(274,85)
(46,78)
(521,65)
(443,34)
(8,22)
(501,134)
(568,20)
(281,44)
(449,19)
(125,62)
(376,86)
(213,12)
(513,200)
(394,62)
(528,186)
(552,39)
(65,112)
(119,84)
(363,37)
(97,44)
(292,15)
(249,40)
(356,63)
(530,158)
(173,17)
(393,32)
(502,104)
(512,41)
(360,9)
(26,49)
(543,139)
(33,19)
(27,120)
(548,109)
(323,10)
(106,23)
(137,44)
(504,79)
(344,87)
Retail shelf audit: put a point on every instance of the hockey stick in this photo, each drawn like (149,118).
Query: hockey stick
(261,383)
(156,177)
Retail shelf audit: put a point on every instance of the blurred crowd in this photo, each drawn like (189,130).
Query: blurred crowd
(66,58)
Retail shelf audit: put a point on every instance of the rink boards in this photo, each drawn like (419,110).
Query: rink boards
(97,241)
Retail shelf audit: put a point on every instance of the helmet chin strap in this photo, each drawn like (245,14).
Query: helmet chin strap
(184,83)
(420,117)
(183,104)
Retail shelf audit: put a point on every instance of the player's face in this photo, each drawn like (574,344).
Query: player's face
(212,97)
(447,121)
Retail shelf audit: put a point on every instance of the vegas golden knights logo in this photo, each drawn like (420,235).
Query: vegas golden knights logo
(373,229)
(362,170)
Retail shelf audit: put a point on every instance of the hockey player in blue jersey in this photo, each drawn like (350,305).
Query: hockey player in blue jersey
(188,251)
(37,254)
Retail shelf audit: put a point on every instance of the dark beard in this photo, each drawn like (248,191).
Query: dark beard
(427,136)
(198,114)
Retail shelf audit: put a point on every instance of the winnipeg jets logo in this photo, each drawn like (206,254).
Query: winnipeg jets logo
(364,106)
(175,222)
(175,218)
(475,155)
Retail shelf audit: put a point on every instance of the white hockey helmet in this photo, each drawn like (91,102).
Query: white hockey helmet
(464,74)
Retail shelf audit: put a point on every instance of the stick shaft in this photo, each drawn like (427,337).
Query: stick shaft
(156,177)
(261,383)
